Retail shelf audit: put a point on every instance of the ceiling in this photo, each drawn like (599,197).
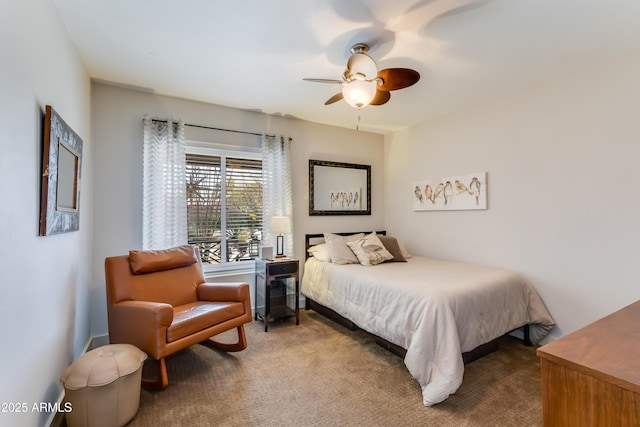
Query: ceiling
(253,54)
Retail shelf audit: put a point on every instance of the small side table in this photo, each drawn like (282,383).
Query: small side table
(277,290)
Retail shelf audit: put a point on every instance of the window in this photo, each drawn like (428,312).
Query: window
(224,204)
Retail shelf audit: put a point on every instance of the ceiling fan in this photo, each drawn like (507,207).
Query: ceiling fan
(362,83)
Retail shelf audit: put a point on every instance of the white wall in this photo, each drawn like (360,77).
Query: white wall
(117,114)
(562,163)
(44,281)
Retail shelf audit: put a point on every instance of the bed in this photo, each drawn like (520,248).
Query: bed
(427,310)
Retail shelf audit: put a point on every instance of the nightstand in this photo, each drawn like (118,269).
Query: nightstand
(277,290)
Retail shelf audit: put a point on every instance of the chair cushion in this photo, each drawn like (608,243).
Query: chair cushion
(149,261)
(193,317)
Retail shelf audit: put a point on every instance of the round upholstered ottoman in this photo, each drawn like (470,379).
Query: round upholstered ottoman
(103,386)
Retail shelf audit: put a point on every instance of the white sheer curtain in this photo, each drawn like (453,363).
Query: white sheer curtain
(277,198)
(164,203)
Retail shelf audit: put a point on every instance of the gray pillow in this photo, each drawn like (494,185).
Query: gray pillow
(392,245)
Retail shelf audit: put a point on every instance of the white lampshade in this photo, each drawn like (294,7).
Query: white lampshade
(280,225)
(359,93)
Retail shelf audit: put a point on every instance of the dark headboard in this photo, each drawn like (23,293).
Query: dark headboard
(317,238)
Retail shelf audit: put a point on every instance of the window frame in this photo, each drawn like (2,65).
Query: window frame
(223,151)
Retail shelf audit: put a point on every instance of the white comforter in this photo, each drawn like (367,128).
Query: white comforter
(434,309)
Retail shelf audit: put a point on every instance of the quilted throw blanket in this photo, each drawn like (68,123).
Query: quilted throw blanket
(434,309)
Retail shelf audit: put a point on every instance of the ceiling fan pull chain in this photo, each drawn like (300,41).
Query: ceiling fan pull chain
(358,122)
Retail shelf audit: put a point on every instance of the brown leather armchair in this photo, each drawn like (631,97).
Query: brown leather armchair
(159,302)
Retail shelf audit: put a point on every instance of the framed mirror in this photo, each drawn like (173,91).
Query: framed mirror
(339,188)
(61,165)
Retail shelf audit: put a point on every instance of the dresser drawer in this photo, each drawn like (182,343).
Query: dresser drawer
(284,268)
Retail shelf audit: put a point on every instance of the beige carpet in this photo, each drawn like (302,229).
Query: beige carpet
(321,374)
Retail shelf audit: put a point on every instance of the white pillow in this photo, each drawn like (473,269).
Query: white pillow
(338,249)
(369,250)
(320,252)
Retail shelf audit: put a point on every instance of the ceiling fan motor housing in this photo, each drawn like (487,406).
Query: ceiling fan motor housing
(360,66)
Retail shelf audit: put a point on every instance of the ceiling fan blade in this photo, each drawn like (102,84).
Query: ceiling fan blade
(397,78)
(323,81)
(335,98)
(382,97)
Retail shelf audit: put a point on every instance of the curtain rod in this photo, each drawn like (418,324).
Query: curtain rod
(214,128)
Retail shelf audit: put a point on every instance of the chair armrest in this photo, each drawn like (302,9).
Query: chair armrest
(227,291)
(144,313)
(140,323)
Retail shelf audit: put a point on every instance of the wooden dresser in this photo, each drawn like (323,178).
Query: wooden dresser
(591,377)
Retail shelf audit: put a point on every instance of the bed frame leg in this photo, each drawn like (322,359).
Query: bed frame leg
(527,337)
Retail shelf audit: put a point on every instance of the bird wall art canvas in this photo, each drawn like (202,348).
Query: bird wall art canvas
(461,192)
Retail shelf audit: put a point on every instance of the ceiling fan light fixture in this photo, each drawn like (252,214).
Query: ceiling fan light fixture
(362,83)
(359,93)
(362,64)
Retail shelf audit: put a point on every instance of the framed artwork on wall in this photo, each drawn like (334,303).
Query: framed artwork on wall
(60,186)
(339,188)
(460,192)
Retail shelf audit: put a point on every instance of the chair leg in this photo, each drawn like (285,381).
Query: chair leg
(239,346)
(162,379)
